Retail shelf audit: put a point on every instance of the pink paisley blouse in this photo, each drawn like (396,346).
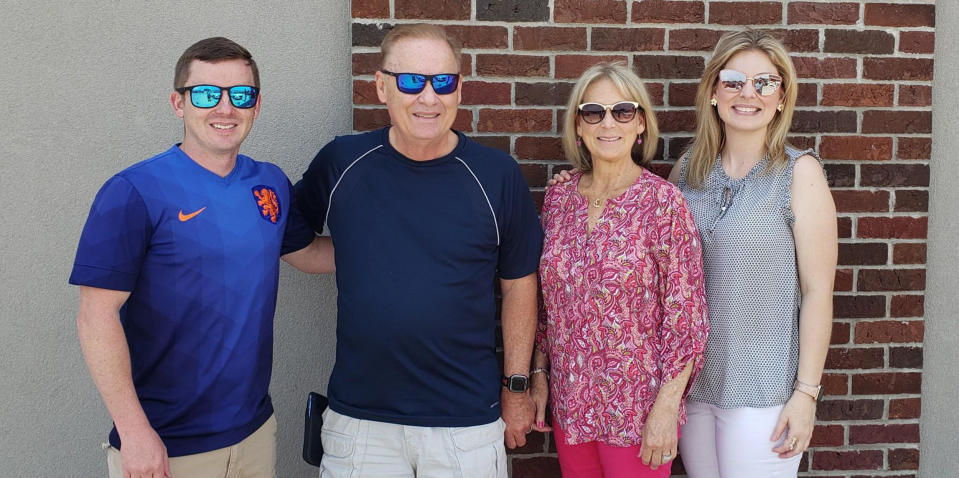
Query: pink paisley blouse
(624,308)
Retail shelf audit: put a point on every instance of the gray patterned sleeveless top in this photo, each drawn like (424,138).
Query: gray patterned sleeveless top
(752,284)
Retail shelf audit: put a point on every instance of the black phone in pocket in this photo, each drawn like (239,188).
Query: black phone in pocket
(313,427)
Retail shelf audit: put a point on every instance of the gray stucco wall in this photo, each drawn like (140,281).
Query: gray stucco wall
(939,426)
(87,92)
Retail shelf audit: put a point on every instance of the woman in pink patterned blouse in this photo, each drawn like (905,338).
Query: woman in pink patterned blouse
(624,322)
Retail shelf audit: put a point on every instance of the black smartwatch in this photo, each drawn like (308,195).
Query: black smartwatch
(516,383)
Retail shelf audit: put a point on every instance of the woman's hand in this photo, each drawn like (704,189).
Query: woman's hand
(796,421)
(562,177)
(539,392)
(660,437)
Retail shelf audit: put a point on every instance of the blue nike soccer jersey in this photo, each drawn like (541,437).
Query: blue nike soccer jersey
(199,254)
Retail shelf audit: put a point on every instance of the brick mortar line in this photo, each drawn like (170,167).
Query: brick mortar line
(879,161)
(875,421)
(867,422)
(867,371)
(873,293)
(873,240)
(873,345)
(856,472)
(867,446)
(887,214)
(890,162)
(816,109)
(665,52)
(690,81)
(853,473)
(881,345)
(631,25)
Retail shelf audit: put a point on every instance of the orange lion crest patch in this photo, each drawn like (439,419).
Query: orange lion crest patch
(267,202)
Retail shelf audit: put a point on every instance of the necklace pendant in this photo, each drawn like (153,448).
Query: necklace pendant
(597,203)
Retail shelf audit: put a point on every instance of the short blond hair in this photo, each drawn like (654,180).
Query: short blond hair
(418,30)
(628,84)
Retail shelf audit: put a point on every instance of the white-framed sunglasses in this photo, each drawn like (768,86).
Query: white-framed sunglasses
(593,113)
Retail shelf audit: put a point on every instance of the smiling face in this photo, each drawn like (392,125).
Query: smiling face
(423,117)
(215,132)
(745,110)
(608,140)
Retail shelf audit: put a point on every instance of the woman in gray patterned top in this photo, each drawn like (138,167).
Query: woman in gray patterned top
(768,228)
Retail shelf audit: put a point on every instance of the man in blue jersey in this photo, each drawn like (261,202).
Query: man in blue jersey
(425,221)
(178,268)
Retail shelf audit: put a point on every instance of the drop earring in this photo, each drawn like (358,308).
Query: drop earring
(639,140)
(579,141)
(780,107)
(713,102)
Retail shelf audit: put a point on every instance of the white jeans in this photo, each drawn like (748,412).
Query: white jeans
(733,443)
(355,448)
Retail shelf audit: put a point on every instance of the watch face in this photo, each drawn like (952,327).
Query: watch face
(517,383)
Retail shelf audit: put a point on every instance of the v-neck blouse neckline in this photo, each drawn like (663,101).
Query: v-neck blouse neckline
(618,199)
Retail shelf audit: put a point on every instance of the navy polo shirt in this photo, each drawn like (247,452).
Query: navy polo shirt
(419,246)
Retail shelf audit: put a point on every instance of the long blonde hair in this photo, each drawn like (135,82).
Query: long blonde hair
(710,135)
(629,84)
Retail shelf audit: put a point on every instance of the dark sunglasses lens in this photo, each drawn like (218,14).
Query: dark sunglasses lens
(624,112)
(444,84)
(766,85)
(243,96)
(409,83)
(205,96)
(592,114)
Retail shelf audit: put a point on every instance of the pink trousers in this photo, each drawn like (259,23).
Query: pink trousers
(599,460)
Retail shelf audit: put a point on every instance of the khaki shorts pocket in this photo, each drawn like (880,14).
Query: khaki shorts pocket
(337,444)
(469,438)
(479,450)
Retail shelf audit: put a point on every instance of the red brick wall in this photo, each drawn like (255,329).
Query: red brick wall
(864,102)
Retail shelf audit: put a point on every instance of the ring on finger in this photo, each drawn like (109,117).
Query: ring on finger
(667,456)
(792,443)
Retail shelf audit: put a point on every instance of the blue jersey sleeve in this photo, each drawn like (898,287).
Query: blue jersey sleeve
(312,192)
(522,241)
(115,238)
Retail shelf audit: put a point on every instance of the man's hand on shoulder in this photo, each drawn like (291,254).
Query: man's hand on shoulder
(143,454)
(518,413)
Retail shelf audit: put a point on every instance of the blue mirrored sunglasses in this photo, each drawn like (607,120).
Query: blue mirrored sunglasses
(208,96)
(413,83)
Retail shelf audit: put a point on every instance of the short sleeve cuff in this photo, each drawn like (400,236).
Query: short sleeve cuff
(511,273)
(296,240)
(102,278)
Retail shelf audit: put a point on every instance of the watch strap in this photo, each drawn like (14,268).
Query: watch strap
(814,391)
